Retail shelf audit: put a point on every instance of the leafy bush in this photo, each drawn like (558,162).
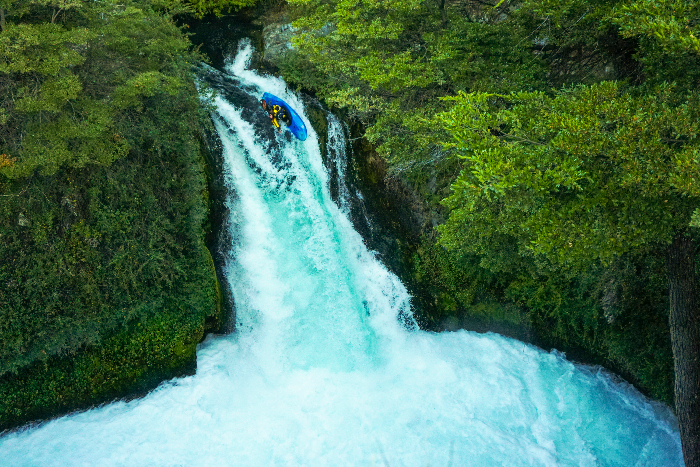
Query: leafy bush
(106,284)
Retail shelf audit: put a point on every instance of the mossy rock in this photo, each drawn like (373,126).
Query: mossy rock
(125,365)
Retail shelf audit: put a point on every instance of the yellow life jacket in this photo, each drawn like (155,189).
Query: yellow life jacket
(281,113)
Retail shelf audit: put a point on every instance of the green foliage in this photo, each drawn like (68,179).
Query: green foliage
(386,62)
(105,283)
(673,24)
(583,176)
(108,269)
(614,316)
(41,48)
(131,361)
(108,246)
(458,284)
(667,32)
(73,88)
(568,175)
(147,84)
(217,7)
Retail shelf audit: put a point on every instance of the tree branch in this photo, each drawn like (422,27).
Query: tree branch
(519,139)
(55,15)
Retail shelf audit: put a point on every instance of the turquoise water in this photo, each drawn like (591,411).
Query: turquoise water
(327,367)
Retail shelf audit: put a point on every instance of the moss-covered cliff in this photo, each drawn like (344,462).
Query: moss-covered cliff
(117,291)
(108,210)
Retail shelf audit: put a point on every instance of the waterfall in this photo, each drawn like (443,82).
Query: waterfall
(337,152)
(327,367)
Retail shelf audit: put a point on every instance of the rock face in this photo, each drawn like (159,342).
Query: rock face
(218,37)
(277,40)
(421,218)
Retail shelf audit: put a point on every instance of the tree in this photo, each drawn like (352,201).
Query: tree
(75,77)
(37,76)
(106,80)
(102,259)
(672,24)
(388,61)
(582,177)
(217,7)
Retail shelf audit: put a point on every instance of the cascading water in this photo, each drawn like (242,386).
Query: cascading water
(326,367)
(337,148)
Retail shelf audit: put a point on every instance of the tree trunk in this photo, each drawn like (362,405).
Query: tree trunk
(684,319)
(2,20)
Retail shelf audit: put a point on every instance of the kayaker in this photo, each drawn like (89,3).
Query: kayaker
(276,113)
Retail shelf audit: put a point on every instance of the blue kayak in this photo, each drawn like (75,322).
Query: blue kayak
(297,127)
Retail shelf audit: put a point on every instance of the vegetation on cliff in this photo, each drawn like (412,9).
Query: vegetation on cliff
(106,284)
(576,127)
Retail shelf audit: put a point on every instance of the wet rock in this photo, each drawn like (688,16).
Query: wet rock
(218,38)
(240,96)
(277,39)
